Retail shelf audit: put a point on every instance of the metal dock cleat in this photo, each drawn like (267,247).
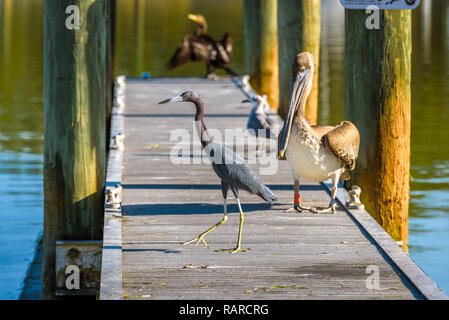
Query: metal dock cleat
(245,82)
(354,202)
(120,81)
(113,196)
(118,141)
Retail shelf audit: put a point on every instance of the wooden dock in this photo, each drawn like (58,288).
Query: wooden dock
(291,256)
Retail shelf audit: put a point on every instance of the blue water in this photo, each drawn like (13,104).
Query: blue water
(21,139)
(21,217)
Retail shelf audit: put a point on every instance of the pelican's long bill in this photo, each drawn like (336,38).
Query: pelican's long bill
(296,93)
(174,99)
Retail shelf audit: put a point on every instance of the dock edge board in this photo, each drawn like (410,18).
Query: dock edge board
(111,264)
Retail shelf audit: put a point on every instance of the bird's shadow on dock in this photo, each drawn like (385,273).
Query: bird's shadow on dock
(153,250)
(184,115)
(190,208)
(201,208)
(273,187)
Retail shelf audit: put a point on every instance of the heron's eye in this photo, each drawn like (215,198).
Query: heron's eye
(186,95)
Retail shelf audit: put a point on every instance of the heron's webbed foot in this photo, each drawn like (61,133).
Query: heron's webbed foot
(234,250)
(200,238)
(300,209)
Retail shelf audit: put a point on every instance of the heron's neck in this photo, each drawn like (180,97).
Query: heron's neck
(199,118)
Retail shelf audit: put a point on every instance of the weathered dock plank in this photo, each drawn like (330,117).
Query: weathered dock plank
(111,270)
(291,256)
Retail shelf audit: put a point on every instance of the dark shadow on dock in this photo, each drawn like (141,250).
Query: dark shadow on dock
(190,208)
(280,187)
(152,250)
(184,115)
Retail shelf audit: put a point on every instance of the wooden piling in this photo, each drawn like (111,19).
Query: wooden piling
(110,70)
(299,30)
(75,92)
(261,41)
(139,31)
(378,101)
(251,37)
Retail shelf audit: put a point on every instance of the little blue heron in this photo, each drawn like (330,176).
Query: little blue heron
(233,171)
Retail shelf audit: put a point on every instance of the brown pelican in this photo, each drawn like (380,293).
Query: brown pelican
(258,120)
(317,153)
(233,171)
(201,47)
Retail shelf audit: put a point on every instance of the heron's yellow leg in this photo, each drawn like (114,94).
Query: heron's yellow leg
(200,238)
(237,249)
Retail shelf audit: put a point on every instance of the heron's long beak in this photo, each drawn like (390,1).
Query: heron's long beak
(245,101)
(174,99)
(296,93)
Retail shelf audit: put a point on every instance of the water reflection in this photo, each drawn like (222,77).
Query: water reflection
(21,137)
(149,31)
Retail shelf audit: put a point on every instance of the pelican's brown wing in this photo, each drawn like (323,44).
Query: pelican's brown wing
(343,141)
(320,131)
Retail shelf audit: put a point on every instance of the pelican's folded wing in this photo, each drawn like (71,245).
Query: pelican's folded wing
(343,141)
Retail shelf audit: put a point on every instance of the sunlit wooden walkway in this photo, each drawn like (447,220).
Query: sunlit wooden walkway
(291,256)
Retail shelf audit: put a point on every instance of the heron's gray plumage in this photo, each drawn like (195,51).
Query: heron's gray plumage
(232,169)
(235,172)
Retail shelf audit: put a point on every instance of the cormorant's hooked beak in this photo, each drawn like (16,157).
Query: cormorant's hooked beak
(198,19)
(193,17)
(297,91)
(174,99)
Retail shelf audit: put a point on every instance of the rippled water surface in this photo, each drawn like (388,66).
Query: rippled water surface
(147,34)
(21,140)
